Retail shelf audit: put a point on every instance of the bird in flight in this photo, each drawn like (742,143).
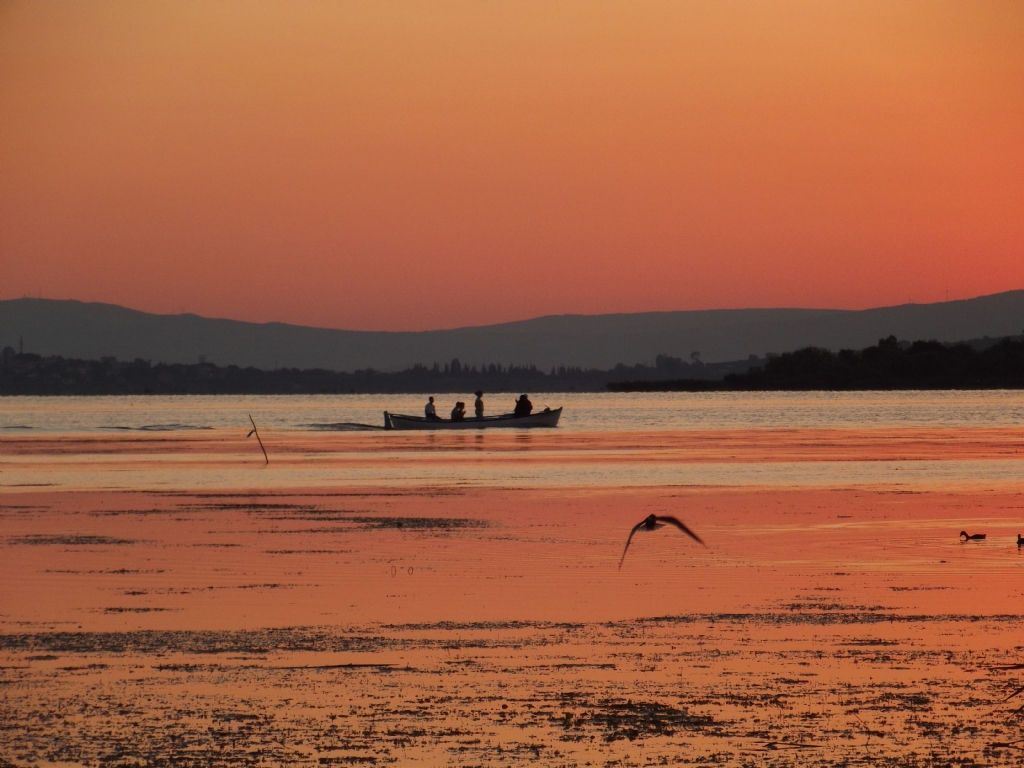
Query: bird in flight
(653,523)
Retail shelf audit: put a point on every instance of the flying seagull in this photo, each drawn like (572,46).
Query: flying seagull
(653,523)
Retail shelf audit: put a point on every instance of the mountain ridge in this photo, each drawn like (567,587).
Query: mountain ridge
(90,330)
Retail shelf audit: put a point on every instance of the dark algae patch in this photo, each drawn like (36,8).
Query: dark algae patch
(40,539)
(619,719)
(148,642)
(362,522)
(419,523)
(737,689)
(136,610)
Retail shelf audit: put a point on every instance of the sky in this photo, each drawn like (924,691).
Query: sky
(409,165)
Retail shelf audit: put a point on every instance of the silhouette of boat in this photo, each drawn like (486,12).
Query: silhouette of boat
(545,418)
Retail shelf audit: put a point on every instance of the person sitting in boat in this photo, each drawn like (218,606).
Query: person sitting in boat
(459,412)
(478,404)
(523,406)
(430,411)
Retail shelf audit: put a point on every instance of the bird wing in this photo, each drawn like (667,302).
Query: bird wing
(636,528)
(672,521)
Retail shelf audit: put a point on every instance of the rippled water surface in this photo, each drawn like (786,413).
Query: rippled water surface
(919,439)
(389,598)
(583,412)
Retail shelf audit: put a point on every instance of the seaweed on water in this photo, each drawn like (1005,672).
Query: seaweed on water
(259,507)
(419,523)
(306,551)
(382,523)
(628,719)
(324,516)
(825,618)
(448,626)
(42,539)
(814,605)
(196,641)
(134,512)
(119,609)
(159,709)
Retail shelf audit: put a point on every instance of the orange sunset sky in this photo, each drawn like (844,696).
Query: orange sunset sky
(414,165)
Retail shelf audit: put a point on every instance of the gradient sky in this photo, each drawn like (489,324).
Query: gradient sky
(411,165)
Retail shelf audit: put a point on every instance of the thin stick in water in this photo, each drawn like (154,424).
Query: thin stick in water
(254,432)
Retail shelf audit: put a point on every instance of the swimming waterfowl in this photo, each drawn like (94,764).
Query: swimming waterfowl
(653,523)
(973,536)
(1020,540)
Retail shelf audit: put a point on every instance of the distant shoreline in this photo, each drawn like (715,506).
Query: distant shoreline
(34,375)
(890,365)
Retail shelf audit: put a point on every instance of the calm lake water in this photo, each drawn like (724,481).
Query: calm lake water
(399,598)
(583,412)
(709,439)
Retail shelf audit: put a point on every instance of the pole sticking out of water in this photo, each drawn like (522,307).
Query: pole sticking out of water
(254,432)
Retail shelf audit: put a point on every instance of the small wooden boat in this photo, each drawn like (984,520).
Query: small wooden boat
(545,418)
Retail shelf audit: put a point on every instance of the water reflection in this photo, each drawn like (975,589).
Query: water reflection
(488,469)
(583,412)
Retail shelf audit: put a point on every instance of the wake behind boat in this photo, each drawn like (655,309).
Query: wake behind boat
(545,418)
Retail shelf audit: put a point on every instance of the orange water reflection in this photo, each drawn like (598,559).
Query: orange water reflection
(223,459)
(410,622)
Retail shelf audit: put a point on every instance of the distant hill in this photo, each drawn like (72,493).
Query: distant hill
(91,331)
(889,365)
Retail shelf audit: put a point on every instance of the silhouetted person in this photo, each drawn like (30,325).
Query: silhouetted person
(459,412)
(430,411)
(478,404)
(523,406)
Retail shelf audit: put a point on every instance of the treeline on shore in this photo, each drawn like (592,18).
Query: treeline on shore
(32,374)
(889,365)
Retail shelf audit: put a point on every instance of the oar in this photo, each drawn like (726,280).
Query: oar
(254,432)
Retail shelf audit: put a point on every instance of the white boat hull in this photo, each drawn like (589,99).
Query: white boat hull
(507,421)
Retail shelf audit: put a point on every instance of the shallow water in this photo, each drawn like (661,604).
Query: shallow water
(386,598)
(915,439)
(583,412)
